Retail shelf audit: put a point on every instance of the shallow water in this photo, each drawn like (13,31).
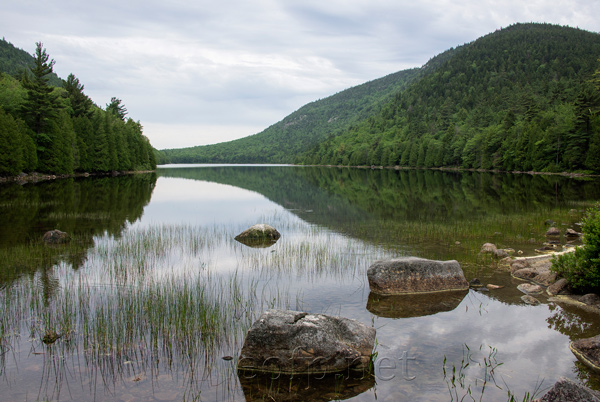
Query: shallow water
(334,224)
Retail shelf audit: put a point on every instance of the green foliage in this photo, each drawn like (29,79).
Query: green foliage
(301,130)
(581,268)
(522,98)
(519,99)
(116,108)
(60,130)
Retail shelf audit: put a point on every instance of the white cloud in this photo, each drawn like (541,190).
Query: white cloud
(232,66)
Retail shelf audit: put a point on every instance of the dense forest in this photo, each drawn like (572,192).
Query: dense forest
(49,125)
(524,98)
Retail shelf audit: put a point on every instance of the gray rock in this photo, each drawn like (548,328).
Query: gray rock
(488,248)
(553,232)
(560,287)
(518,264)
(545,278)
(590,299)
(415,275)
(587,351)
(565,390)
(501,253)
(529,288)
(525,273)
(283,341)
(55,237)
(571,233)
(260,235)
(530,300)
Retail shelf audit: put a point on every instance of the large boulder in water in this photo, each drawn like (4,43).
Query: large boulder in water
(260,235)
(293,342)
(415,275)
(587,351)
(55,237)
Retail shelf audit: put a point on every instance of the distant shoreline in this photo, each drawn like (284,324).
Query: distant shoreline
(36,177)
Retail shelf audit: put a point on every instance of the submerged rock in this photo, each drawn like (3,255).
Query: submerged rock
(572,234)
(293,342)
(530,300)
(530,289)
(587,351)
(415,275)
(55,237)
(260,235)
(565,390)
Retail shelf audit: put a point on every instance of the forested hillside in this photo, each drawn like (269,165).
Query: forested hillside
(309,125)
(58,129)
(523,98)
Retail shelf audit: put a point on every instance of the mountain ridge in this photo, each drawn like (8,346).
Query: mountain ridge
(467,107)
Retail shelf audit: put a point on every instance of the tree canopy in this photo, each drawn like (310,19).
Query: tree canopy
(59,130)
(523,98)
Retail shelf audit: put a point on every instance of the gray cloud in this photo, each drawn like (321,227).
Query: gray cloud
(200,72)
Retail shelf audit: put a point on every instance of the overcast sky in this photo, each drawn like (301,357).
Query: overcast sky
(200,72)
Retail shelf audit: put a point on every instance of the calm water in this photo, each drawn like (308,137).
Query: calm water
(334,224)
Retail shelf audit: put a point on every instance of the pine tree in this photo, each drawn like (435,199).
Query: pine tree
(116,108)
(41,103)
(81,104)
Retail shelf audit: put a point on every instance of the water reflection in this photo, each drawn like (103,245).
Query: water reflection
(321,388)
(414,305)
(334,224)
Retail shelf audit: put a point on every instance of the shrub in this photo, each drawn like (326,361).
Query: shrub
(582,267)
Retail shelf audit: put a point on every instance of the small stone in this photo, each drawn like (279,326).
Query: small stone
(260,235)
(560,287)
(590,299)
(571,233)
(525,273)
(530,300)
(501,253)
(529,288)
(518,264)
(488,248)
(475,283)
(545,278)
(491,286)
(553,232)
(55,237)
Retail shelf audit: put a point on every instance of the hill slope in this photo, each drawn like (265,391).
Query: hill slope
(521,98)
(304,128)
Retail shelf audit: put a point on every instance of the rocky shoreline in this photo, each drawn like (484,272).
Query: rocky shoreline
(36,177)
(538,280)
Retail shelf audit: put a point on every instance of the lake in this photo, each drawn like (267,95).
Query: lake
(152,297)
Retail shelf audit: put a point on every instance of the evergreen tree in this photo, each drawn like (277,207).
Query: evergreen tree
(41,103)
(81,104)
(116,108)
